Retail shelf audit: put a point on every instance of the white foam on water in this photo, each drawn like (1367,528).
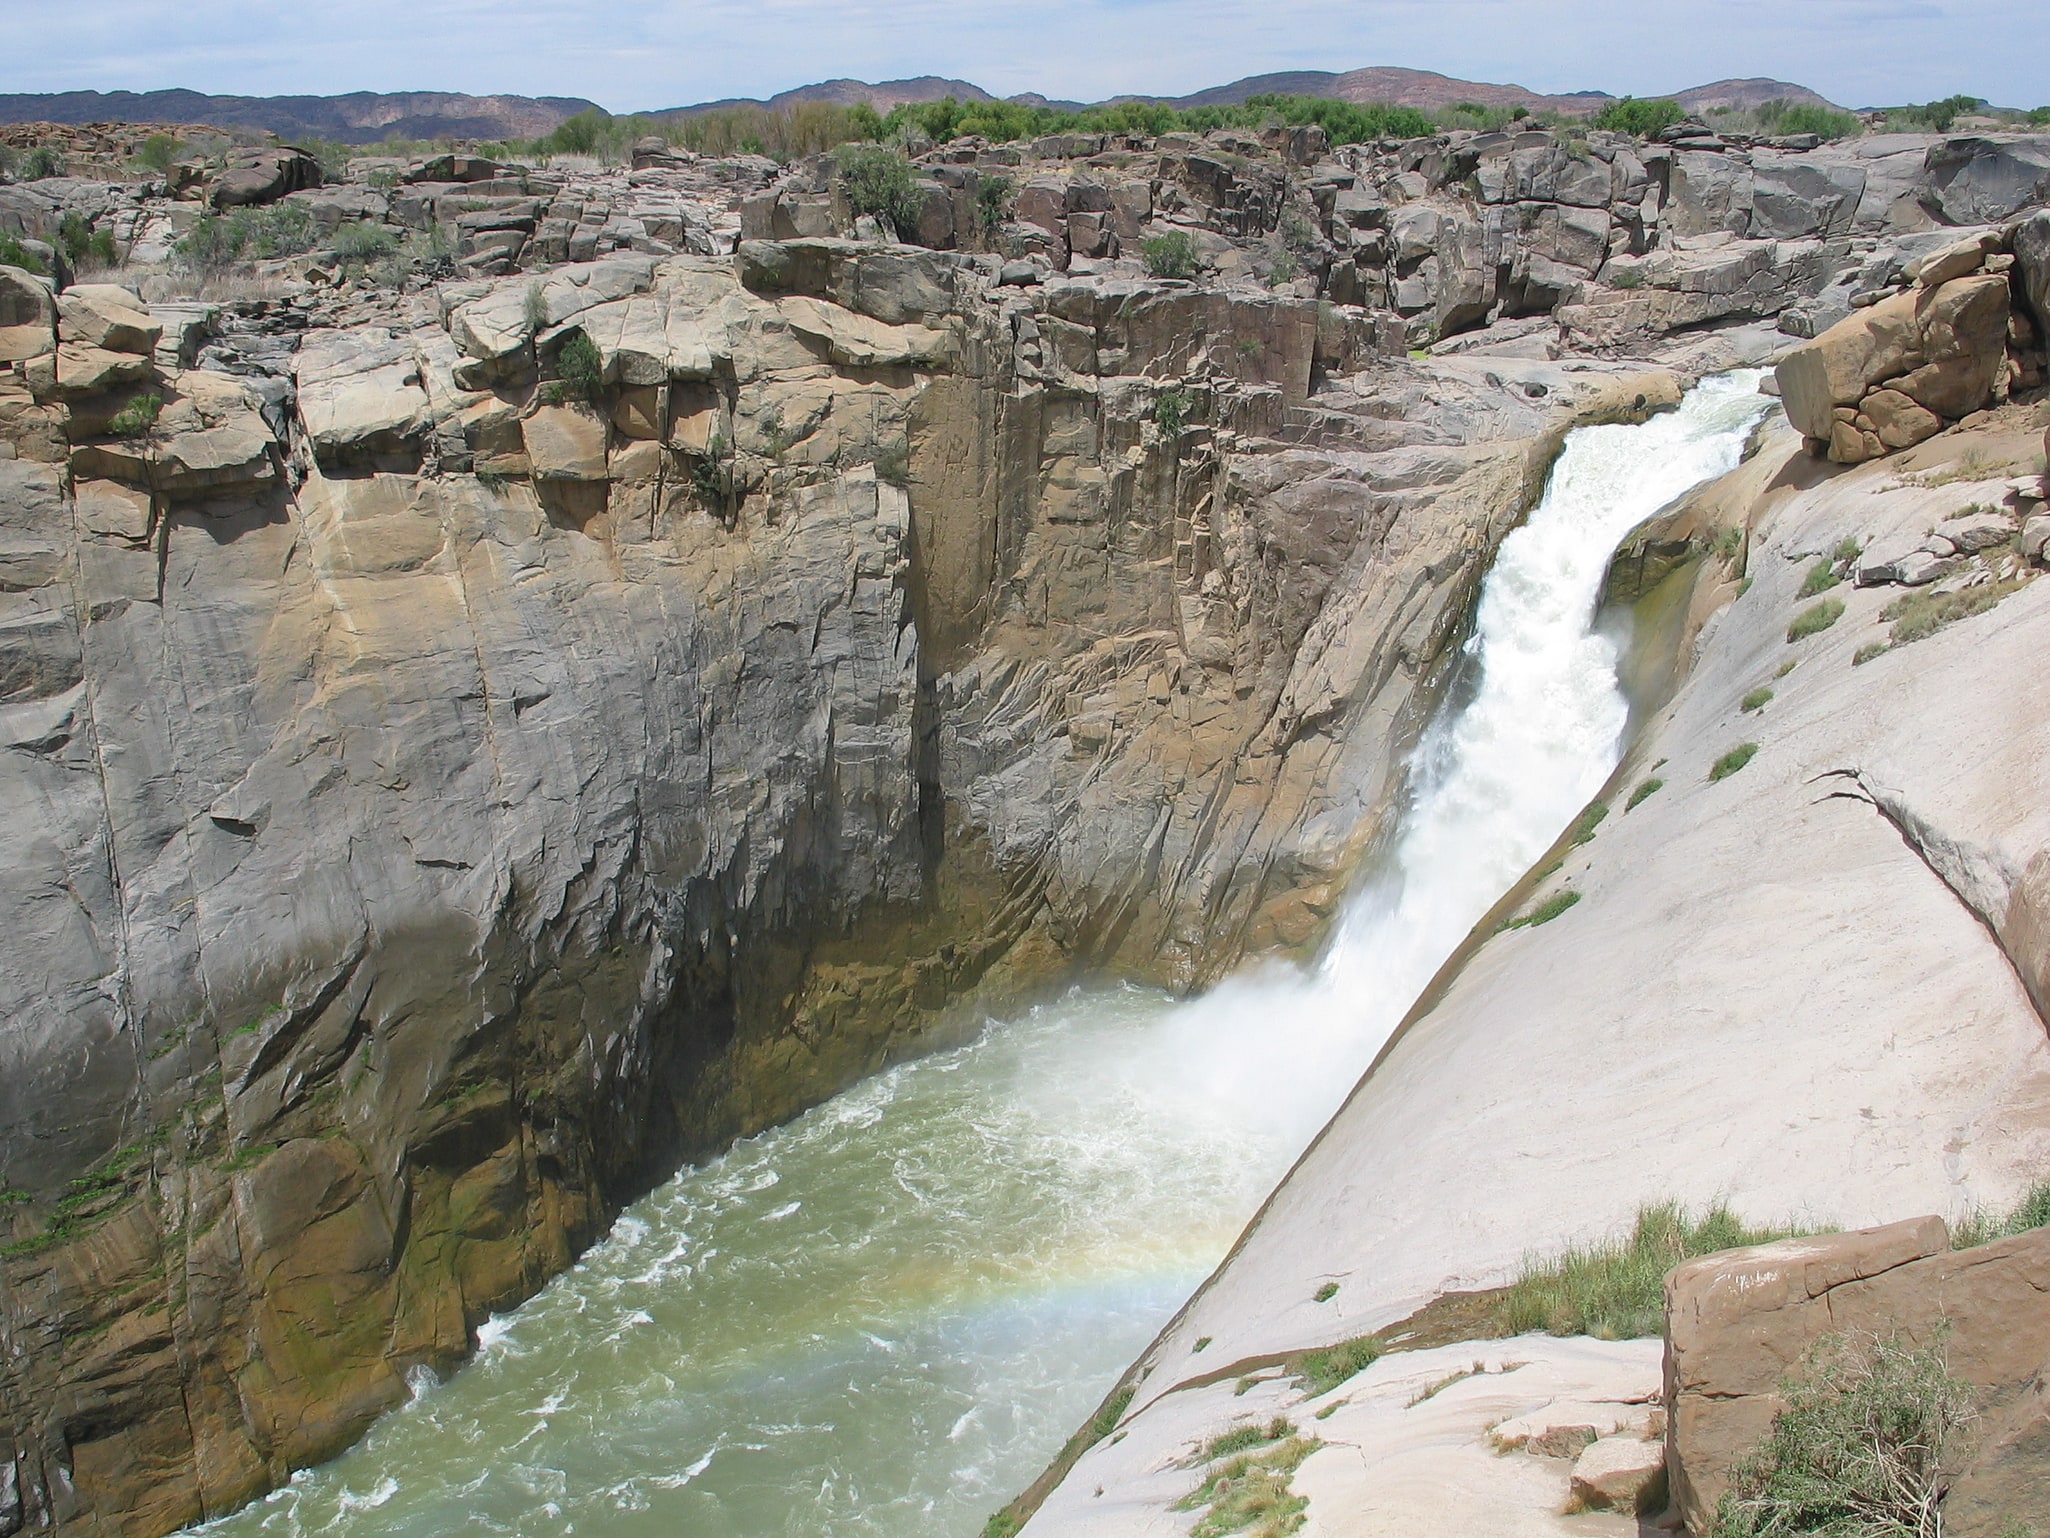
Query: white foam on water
(910,1296)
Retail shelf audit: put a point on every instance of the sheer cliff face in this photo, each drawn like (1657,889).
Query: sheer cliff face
(437,803)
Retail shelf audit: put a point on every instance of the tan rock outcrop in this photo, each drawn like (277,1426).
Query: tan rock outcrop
(1738,1323)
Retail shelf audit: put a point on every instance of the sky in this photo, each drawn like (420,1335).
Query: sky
(641,54)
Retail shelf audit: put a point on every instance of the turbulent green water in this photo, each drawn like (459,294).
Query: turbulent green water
(886,1317)
(880,1319)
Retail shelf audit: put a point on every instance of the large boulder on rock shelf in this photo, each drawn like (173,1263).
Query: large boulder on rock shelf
(263,176)
(1836,368)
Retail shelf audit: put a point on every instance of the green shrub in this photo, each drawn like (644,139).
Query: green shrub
(1591,819)
(14,254)
(1937,116)
(1756,700)
(1859,1449)
(158,153)
(1638,118)
(1250,1493)
(1327,1292)
(1003,1524)
(1170,255)
(1322,1370)
(1615,1289)
(893,463)
(1551,908)
(1244,1438)
(1920,615)
(1982,1227)
(1105,1421)
(1626,277)
(1812,117)
(135,418)
(880,184)
(579,370)
(218,241)
(992,200)
(1732,761)
(360,241)
(1647,788)
(1171,414)
(40,164)
(1821,577)
(1815,619)
(1867,652)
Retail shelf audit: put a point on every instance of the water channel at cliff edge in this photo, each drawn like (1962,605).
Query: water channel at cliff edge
(885,1317)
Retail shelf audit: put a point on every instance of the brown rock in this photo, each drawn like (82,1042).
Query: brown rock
(565,443)
(1562,1442)
(1964,338)
(1836,368)
(1736,1323)
(1954,261)
(1899,421)
(103,315)
(1621,1474)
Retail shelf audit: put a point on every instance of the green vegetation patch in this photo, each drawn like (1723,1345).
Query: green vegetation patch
(579,371)
(1546,911)
(880,183)
(1249,1492)
(1327,1292)
(1615,1289)
(218,241)
(1650,787)
(136,418)
(1171,413)
(1815,619)
(1640,118)
(1170,255)
(1982,1227)
(1820,578)
(1859,1449)
(1320,1371)
(1918,616)
(1756,700)
(14,254)
(1591,819)
(1732,761)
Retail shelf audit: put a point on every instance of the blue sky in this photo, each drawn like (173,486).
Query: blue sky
(629,54)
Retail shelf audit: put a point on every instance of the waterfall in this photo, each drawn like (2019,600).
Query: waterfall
(885,1317)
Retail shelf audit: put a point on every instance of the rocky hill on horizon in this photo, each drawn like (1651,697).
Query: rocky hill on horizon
(365,117)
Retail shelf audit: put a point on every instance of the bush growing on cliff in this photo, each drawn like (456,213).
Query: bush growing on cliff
(218,241)
(1983,1227)
(1648,788)
(579,371)
(135,418)
(14,254)
(880,184)
(1639,118)
(1615,1289)
(1170,255)
(1815,619)
(1732,761)
(1859,1449)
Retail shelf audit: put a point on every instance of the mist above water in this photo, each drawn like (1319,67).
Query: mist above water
(884,1318)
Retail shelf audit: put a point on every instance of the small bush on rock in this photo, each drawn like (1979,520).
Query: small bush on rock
(1615,1289)
(136,418)
(1756,700)
(1821,577)
(880,184)
(1639,118)
(14,254)
(1648,788)
(1858,1451)
(579,371)
(1170,255)
(1815,619)
(1732,761)
(1982,1227)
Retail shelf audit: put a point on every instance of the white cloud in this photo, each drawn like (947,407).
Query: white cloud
(648,53)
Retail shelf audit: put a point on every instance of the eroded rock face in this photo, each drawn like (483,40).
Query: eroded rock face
(1737,1323)
(449,795)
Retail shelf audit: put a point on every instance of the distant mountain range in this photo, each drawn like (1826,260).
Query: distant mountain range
(364,117)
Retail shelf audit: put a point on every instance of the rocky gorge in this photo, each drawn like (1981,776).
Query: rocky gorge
(480,736)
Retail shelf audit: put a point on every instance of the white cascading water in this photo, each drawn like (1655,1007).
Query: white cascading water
(885,1317)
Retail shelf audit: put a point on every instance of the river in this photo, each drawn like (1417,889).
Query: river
(885,1317)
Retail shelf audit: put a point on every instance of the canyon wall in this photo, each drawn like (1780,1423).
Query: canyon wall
(475,742)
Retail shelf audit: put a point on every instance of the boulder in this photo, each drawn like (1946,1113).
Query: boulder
(2030,242)
(28,316)
(1898,419)
(263,176)
(1836,368)
(1963,327)
(83,369)
(1977,531)
(1621,1474)
(103,315)
(1737,1323)
(1954,261)
(565,443)
(2036,537)
(359,392)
